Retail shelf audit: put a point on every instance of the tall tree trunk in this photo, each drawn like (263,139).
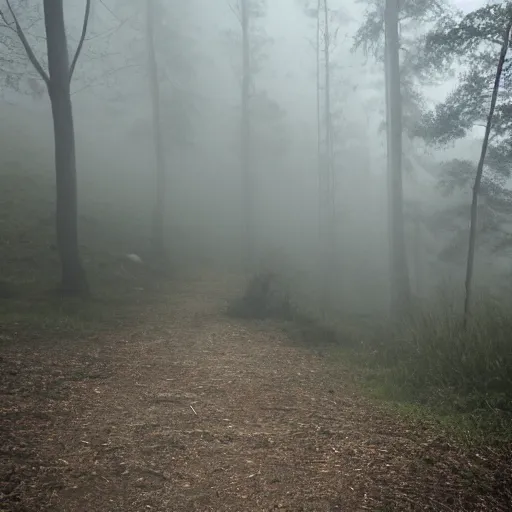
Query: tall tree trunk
(320,164)
(400,287)
(417,250)
(479,172)
(328,194)
(158,229)
(74,280)
(328,115)
(319,120)
(247,181)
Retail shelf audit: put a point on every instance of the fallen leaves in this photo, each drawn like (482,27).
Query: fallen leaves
(208,415)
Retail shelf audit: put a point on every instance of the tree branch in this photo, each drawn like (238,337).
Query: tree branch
(26,45)
(92,83)
(111,12)
(234,11)
(6,23)
(82,39)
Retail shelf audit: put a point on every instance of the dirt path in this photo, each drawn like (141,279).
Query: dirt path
(196,412)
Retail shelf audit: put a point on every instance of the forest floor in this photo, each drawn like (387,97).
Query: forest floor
(187,409)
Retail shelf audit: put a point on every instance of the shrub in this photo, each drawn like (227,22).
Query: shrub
(264,297)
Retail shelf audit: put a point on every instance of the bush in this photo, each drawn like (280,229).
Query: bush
(264,297)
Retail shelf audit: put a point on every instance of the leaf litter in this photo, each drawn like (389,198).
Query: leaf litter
(193,411)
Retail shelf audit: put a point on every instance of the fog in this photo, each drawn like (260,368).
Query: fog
(199,54)
(255,255)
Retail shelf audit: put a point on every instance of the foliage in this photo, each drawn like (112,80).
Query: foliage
(414,17)
(413,14)
(473,42)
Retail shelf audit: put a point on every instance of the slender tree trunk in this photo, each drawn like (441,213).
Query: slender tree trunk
(417,251)
(247,181)
(400,286)
(328,121)
(74,280)
(158,231)
(478,177)
(328,115)
(319,121)
(329,241)
(320,166)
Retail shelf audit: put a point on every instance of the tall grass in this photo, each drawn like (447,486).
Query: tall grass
(430,358)
(462,373)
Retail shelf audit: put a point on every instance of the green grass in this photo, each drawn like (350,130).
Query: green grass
(429,366)
(432,367)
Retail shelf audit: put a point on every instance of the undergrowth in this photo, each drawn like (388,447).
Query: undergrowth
(434,361)
(30,307)
(461,375)
(428,365)
(264,297)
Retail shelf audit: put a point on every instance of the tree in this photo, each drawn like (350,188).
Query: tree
(324,45)
(252,42)
(161,169)
(153,55)
(471,41)
(57,80)
(400,288)
(318,40)
(248,188)
(479,171)
(326,165)
(385,32)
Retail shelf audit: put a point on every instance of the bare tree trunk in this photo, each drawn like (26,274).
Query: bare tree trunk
(58,81)
(158,231)
(319,118)
(328,115)
(328,123)
(479,172)
(400,286)
(320,165)
(327,219)
(247,181)
(417,251)
(73,276)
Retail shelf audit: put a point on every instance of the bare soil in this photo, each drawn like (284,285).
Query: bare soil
(189,410)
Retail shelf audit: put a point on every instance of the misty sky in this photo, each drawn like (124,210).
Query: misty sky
(292,68)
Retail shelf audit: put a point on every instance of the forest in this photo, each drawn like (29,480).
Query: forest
(273,273)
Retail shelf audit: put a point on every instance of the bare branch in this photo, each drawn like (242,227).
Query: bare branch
(113,30)
(101,79)
(26,45)
(6,24)
(112,13)
(82,38)
(312,43)
(235,12)
(11,73)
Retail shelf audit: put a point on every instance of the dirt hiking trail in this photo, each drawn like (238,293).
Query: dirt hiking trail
(195,411)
